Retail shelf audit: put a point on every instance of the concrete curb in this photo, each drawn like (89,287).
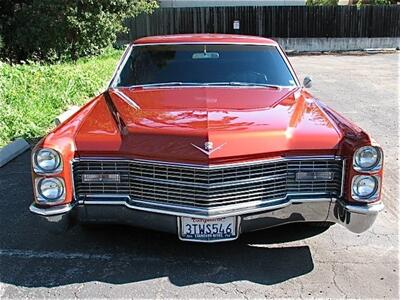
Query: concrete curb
(292,52)
(12,150)
(337,44)
(379,50)
(65,115)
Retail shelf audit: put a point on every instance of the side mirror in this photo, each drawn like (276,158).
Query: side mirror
(307,82)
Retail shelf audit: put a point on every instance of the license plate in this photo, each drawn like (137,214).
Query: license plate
(208,230)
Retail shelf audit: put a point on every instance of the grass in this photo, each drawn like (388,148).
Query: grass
(32,95)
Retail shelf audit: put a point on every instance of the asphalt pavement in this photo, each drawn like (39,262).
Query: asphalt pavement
(293,261)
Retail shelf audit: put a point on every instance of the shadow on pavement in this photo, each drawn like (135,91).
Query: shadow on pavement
(33,257)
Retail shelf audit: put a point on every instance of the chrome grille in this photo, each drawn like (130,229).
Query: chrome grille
(207,187)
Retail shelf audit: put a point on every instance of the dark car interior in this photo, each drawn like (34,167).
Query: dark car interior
(205,64)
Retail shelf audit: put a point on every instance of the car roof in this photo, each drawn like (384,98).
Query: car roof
(204,38)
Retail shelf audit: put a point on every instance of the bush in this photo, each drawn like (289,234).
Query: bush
(373,2)
(322,2)
(62,29)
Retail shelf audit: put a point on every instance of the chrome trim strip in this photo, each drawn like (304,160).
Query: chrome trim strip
(372,209)
(128,100)
(119,66)
(51,211)
(343,176)
(72,180)
(225,211)
(214,185)
(211,166)
(118,196)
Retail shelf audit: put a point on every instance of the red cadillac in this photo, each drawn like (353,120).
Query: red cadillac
(207,136)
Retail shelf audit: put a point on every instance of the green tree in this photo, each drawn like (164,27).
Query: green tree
(59,29)
(373,2)
(321,2)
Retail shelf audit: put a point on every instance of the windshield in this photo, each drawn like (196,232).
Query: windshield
(206,64)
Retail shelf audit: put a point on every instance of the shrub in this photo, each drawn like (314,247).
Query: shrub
(322,2)
(373,2)
(54,29)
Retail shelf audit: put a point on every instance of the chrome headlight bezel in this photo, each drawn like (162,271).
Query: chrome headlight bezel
(58,164)
(374,195)
(41,199)
(376,166)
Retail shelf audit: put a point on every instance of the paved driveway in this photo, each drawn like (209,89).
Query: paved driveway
(291,261)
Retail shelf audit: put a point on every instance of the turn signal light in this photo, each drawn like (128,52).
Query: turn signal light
(310,176)
(100,178)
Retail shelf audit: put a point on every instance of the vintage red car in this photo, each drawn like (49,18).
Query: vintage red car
(207,136)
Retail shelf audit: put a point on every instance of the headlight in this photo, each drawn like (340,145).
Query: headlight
(365,188)
(50,190)
(47,161)
(367,158)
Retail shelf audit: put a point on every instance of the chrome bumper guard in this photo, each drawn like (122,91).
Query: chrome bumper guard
(355,218)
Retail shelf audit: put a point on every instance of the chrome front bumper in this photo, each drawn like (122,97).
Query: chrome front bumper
(356,218)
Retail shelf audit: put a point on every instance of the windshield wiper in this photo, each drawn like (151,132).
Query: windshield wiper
(230,83)
(239,83)
(172,83)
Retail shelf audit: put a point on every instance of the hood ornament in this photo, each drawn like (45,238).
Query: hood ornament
(208,147)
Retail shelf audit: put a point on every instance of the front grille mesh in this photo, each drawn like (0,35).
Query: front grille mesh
(207,187)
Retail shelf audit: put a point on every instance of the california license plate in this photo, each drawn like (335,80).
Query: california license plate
(208,230)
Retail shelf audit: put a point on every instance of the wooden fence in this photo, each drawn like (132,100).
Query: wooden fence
(271,21)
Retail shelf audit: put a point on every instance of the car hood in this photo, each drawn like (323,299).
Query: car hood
(205,124)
